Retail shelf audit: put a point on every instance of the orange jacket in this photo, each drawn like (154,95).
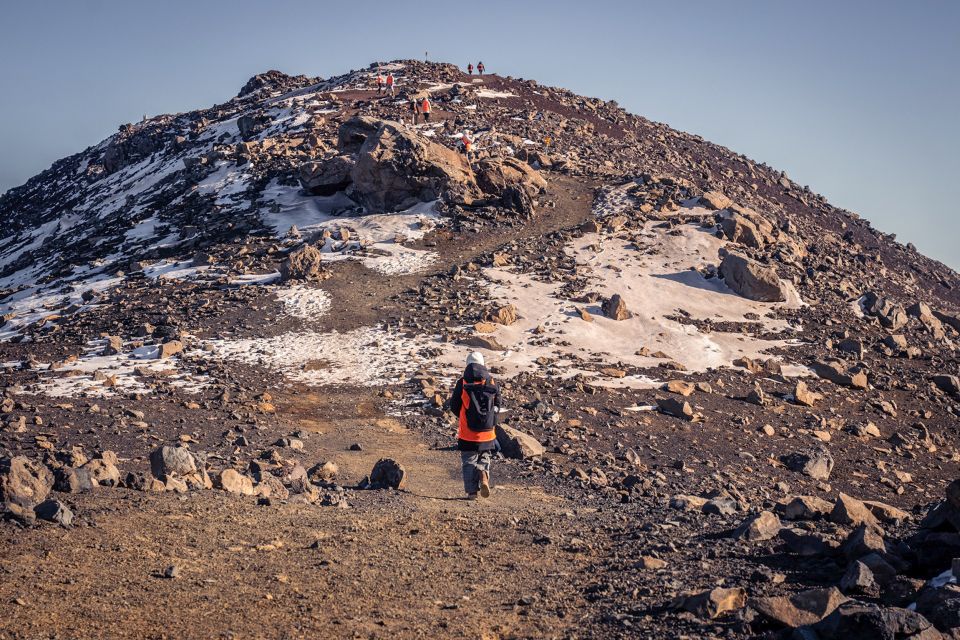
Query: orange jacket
(464,432)
(425,106)
(478,383)
(390,80)
(467,142)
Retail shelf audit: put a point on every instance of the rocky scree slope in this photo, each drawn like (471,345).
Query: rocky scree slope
(668,317)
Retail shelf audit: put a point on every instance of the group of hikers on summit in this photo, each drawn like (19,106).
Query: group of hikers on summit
(421,107)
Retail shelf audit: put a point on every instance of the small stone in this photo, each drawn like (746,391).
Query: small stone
(716,602)
(651,564)
(804,396)
(680,387)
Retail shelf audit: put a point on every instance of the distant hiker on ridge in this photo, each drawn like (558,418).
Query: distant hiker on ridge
(425,109)
(470,68)
(380,81)
(415,110)
(467,143)
(390,82)
(480,68)
(475,400)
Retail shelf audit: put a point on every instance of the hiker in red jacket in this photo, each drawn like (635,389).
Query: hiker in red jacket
(425,109)
(476,400)
(467,143)
(380,81)
(480,68)
(470,68)
(390,82)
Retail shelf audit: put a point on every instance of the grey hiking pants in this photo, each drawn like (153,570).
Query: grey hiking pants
(473,463)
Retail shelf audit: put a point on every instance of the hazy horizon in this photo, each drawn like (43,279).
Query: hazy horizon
(858,101)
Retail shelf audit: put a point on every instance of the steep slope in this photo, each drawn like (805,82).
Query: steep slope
(294,277)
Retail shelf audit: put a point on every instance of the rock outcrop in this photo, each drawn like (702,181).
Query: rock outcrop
(751,279)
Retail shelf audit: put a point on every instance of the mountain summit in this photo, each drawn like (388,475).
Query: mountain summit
(729,407)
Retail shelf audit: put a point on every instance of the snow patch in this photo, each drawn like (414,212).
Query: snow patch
(301,301)
(490,93)
(368,356)
(656,280)
(128,373)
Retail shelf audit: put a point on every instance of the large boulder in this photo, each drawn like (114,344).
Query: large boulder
(327,177)
(495,175)
(739,229)
(354,132)
(799,609)
(947,383)
(386,473)
(102,471)
(859,621)
(179,468)
(715,200)
(890,314)
(24,482)
(747,227)
(751,279)
(396,168)
(836,372)
(850,511)
(232,481)
(614,307)
(167,461)
(304,263)
(517,444)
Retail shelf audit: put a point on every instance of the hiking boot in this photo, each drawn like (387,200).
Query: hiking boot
(484,484)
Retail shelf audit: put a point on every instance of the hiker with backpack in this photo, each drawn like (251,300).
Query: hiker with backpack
(480,68)
(476,400)
(425,109)
(415,110)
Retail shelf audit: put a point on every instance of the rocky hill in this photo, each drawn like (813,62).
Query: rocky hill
(733,409)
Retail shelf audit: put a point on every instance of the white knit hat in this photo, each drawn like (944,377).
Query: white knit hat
(475,358)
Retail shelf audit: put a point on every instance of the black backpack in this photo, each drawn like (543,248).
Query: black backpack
(480,405)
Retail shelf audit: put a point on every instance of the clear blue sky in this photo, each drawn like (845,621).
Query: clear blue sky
(860,99)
